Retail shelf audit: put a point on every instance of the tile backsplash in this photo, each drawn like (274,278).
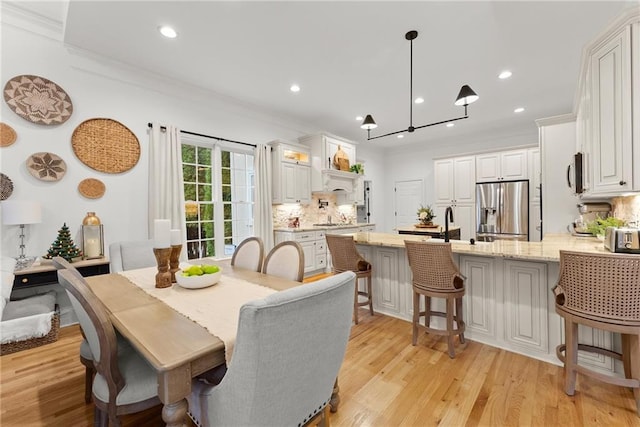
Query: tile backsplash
(627,208)
(314,213)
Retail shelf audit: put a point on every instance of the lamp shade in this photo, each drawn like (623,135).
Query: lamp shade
(368,123)
(466,96)
(21,212)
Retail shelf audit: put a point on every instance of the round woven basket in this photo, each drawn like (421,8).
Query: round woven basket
(91,188)
(105,145)
(7,135)
(6,187)
(38,100)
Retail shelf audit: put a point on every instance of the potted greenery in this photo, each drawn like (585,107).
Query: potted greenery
(599,225)
(426,215)
(357,168)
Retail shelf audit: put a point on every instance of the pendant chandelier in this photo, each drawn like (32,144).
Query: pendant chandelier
(465,97)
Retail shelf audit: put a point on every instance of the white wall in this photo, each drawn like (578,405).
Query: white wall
(416,161)
(99,88)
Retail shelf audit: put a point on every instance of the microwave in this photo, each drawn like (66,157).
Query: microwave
(575,174)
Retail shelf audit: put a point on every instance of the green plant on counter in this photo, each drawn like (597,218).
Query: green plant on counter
(425,214)
(598,226)
(357,168)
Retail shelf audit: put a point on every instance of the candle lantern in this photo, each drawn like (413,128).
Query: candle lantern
(92,237)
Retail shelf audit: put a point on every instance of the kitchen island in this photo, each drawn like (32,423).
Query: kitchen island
(508,302)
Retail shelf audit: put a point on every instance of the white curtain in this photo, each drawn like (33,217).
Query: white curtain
(262,217)
(166,192)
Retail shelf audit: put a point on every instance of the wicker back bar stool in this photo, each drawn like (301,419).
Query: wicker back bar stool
(600,291)
(436,275)
(345,257)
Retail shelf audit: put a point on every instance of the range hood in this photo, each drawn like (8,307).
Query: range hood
(335,180)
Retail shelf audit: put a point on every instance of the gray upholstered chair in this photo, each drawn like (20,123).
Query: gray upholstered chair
(124,382)
(289,349)
(131,255)
(285,260)
(249,254)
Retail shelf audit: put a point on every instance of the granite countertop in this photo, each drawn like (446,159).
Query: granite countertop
(311,227)
(436,229)
(547,250)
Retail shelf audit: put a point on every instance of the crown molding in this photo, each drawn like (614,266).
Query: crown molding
(15,13)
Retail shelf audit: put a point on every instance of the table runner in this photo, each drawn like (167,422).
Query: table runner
(215,308)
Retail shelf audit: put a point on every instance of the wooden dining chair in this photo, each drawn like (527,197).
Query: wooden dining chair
(249,254)
(285,260)
(601,291)
(124,382)
(436,275)
(131,255)
(345,257)
(288,352)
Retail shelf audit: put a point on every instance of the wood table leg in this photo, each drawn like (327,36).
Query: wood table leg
(174,414)
(335,397)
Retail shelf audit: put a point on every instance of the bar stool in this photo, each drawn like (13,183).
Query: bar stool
(600,291)
(436,275)
(345,257)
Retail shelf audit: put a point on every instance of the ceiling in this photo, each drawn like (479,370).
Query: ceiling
(352,59)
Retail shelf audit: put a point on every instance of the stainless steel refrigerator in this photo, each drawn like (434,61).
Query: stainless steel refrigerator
(502,210)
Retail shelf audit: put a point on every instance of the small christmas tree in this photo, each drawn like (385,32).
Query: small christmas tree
(63,246)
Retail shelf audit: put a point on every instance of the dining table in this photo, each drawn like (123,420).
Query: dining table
(177,347)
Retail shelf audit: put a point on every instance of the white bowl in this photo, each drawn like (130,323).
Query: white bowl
(197,282)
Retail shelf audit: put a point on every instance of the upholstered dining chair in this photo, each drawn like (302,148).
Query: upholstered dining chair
(124,382)
(285,260)
(249,254)
(436,275)
(601,291)
(289,349)
(345,257)
(131,255)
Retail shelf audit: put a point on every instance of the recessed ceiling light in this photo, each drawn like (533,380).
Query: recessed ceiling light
(505,74)
(400,136)
(359,118)
(419,100)
(518,110)
(168,32)
(450,125)
(294,88)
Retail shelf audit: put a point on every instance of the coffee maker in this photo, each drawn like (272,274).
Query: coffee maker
(589,212)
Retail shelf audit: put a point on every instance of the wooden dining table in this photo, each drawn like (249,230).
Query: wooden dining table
(177,348)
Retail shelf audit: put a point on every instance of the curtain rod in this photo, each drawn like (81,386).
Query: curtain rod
(207,136)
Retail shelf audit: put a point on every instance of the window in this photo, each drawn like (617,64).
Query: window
(219,197)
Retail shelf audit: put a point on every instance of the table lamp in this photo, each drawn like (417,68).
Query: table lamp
(21,213)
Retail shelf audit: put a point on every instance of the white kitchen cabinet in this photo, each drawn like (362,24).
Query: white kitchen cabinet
(386,291)
(355,197)
(325,176)
(501,166)
(535,222)
(313,245)
(454,180)
(526,305)
(611,96)
(291,173)
(366,228)
(464,216)
(479,301)
(535,172)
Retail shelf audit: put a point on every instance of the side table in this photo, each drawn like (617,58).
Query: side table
(46,274)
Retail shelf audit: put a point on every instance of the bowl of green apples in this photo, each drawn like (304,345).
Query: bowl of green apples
(198,276)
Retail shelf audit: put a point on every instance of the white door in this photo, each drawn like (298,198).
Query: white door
(408,196)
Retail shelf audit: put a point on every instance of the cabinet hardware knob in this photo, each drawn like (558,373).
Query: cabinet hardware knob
(25,280)
(623,182)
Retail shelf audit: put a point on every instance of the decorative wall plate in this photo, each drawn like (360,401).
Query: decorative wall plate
(38,100)
(7,135)
(46,166)
(6,187)
(105,145)
(91,188)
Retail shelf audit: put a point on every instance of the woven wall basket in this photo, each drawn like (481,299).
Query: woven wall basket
(7,135)
(38,100)
(6,187)
(91,188)
(105,145)
(46,166)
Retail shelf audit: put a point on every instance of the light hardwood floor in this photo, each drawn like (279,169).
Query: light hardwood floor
(384,381)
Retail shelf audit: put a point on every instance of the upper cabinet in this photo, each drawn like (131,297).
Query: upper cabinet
(455,180)
(502,166)
(331,157)
(291,173)
(608,109)
(535,174)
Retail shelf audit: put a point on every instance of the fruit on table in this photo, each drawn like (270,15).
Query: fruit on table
(199,270)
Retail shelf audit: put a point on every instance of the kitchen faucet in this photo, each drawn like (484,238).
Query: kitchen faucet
(448,216)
